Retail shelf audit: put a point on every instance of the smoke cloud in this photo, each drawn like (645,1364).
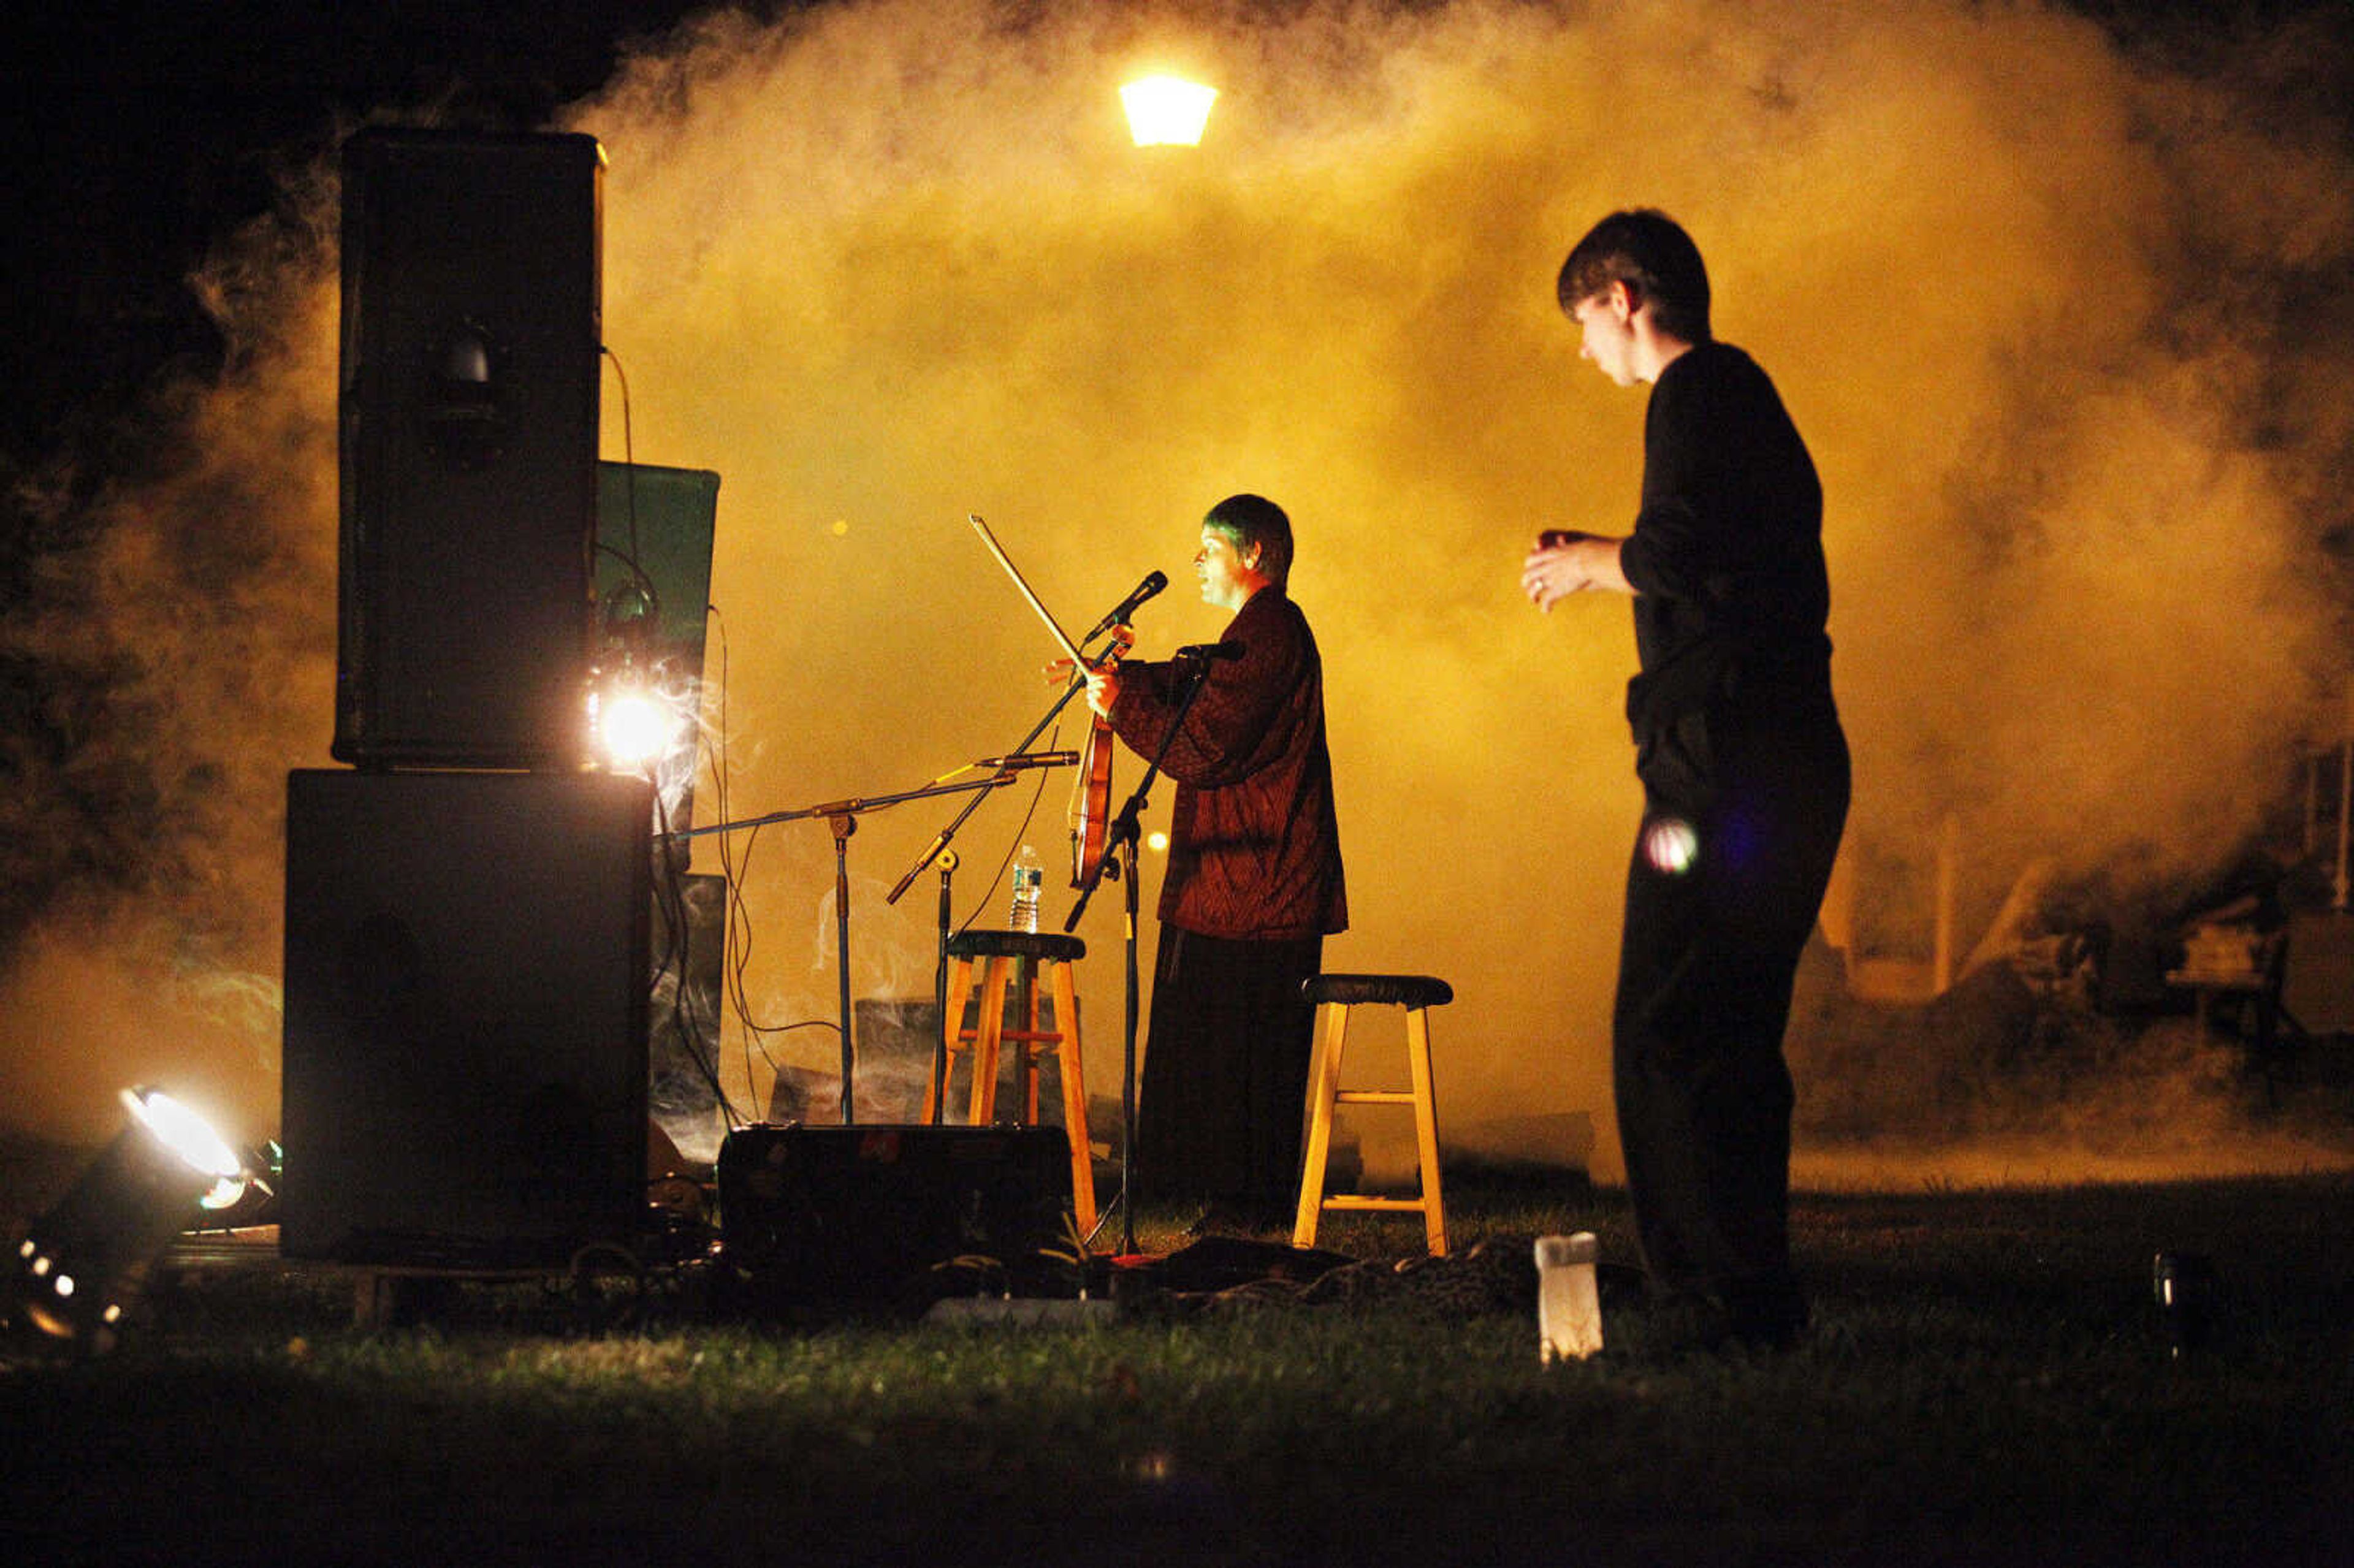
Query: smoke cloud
(2064,324)
(174,648)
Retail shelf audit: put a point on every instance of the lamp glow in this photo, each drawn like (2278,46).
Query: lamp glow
(1167,110)
(634,727)
(186,1135)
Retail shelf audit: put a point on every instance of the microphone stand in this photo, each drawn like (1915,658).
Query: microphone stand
(941,842)
(1079,661)
(938,852)
(1121,835)
(843,816)
(947,860)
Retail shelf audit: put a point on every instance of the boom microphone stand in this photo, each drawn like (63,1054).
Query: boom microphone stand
(938,853)
(1153,584)
(1120,836)
(843,816)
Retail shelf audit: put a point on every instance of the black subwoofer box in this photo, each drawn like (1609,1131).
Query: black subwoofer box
(464,1072)
(865,1213)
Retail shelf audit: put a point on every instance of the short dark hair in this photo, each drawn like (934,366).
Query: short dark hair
(1649,252)
(1249,520)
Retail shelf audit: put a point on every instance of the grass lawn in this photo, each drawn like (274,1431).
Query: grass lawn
(1989,1379)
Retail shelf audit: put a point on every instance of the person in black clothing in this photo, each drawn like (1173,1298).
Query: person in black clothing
(1253,884)
(1743,766)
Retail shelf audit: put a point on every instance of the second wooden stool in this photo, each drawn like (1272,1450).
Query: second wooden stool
(1334,995)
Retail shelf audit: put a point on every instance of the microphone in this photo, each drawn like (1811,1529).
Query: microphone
(1153,584)
(1030,759)
(1209,651)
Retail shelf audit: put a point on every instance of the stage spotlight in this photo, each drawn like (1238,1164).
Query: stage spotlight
(251,1199)
(636,716)
(1167,110)
(83,1261)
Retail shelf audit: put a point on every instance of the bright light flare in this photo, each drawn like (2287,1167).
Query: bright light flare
(1167,110)
(192,1140)
(1670,845)
(637,718)
(635,728)
(183,1132)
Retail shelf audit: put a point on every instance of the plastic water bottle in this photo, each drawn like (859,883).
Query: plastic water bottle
(1029,877)
(1569,1304)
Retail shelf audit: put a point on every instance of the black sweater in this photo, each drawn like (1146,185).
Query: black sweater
(1726,555)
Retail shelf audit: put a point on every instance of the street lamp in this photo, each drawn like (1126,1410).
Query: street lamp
(1167,110)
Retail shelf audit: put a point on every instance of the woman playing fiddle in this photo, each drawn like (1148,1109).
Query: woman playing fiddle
(1252,888)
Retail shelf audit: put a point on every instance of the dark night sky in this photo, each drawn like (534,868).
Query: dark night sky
(146,128)
(147,133)
(149,128)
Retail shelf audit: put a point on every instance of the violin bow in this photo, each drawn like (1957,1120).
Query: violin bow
(1078,660)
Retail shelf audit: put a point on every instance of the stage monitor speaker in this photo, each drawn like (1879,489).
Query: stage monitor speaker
(464,1073)
(471,331)
(869,1213)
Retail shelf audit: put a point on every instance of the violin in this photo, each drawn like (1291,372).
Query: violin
(1091,789)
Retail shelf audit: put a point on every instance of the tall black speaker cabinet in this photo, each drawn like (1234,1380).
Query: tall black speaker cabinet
(464,1070)
(470,336)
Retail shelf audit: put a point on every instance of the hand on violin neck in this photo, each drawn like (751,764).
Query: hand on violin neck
(1103,691)
(1123,638)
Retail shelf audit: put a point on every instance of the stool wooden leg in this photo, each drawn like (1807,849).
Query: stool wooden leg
(996,980)
(1324,1084)
(1074,1100)
(1028,1010)
(1425,1129)
(936,1093)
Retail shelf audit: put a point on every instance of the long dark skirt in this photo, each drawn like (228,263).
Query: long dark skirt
(1225,1071)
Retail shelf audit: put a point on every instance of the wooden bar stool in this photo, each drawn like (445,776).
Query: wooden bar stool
(1013,963)
(1335,995)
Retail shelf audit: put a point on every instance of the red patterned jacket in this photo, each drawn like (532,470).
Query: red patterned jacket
(1254,843)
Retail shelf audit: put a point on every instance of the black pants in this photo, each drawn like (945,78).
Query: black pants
(1709,954)
(1225,1071)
